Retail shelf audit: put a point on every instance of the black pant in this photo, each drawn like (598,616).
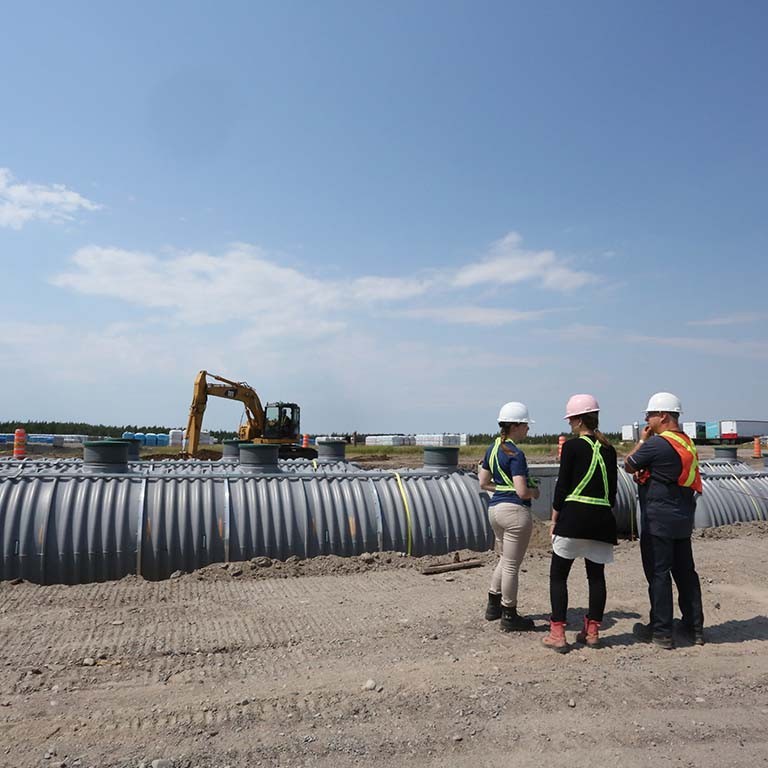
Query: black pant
(558,587)
(662,557)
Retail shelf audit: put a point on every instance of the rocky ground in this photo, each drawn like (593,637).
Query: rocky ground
(367,661)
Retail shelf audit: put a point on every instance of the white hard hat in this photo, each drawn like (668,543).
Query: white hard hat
(581,404)
(664,401)
(514,412)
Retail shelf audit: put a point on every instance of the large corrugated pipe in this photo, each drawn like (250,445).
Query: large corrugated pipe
(67,524)
(75,528)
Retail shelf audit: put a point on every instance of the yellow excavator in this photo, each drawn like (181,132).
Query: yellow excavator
(278,423)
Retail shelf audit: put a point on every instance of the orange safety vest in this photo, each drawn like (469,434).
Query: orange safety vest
(686,450)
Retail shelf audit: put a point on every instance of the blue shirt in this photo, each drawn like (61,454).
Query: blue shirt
(511,464)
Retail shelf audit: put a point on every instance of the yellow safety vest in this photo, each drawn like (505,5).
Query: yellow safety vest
(597,460)
(494,465)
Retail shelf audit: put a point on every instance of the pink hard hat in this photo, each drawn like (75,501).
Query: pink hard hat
(578,404)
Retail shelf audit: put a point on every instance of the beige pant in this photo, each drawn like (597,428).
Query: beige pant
(512,526)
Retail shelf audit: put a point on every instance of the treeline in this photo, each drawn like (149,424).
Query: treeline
(486,439)
(92,430)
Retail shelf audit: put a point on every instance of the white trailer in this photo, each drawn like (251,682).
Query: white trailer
(741,430)
(629,433)
(696,430)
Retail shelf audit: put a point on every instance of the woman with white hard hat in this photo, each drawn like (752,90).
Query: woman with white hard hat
(504,473)
(582,522)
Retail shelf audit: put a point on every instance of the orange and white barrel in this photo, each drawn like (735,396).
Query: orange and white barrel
(560,444)
(305,441)
(757,453)
(19,444)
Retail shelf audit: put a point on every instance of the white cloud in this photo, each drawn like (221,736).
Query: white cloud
(243,283)
(469,315)
(577,332)
(198,287)
(22,203)
(270,300)
(388,288)
(86,355)
(507,263)
(734,319)
(717,347)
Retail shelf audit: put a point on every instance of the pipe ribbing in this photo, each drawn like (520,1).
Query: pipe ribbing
(81,528)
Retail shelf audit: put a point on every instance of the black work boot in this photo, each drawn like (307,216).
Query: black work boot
(511,621)
(691,634)
(493,609)
(645,634)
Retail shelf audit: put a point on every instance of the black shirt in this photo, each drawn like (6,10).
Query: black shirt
(578,519)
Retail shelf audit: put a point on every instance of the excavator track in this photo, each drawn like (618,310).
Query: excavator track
(296,452)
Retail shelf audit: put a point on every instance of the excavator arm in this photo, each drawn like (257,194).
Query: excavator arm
(230,390)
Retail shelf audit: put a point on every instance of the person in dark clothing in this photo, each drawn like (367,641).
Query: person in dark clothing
(582,523)
(665,464)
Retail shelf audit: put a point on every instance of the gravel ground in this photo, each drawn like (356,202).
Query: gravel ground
(367,661)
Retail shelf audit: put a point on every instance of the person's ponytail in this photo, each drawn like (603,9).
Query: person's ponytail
(602,438)
(590,421)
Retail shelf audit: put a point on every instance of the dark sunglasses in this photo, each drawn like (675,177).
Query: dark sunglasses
(648,414)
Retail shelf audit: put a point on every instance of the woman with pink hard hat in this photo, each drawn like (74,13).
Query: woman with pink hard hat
(582,522)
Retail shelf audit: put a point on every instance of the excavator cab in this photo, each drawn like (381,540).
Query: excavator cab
(282,421)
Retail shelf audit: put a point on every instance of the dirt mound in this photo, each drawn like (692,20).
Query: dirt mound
(325,565)
(757,528)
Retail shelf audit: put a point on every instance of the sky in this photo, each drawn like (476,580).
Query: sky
(399,215)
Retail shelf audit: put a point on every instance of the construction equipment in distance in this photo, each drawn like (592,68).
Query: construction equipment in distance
(278,423)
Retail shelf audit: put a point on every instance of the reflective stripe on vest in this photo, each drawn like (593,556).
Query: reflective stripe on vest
(496,467)
(686,450)
(597,460)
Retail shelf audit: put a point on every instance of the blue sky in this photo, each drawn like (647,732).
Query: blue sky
(399,215)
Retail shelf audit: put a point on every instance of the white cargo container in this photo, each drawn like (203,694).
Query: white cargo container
(387,440)
(628,434)
(438,441)
(739,430)
(696,430)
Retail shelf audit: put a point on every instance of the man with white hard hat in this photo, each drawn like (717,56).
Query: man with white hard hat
(665,464)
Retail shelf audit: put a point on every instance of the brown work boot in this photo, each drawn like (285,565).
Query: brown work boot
(589,635)
(556,637)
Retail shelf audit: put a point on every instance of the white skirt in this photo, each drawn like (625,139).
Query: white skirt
(570,549)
